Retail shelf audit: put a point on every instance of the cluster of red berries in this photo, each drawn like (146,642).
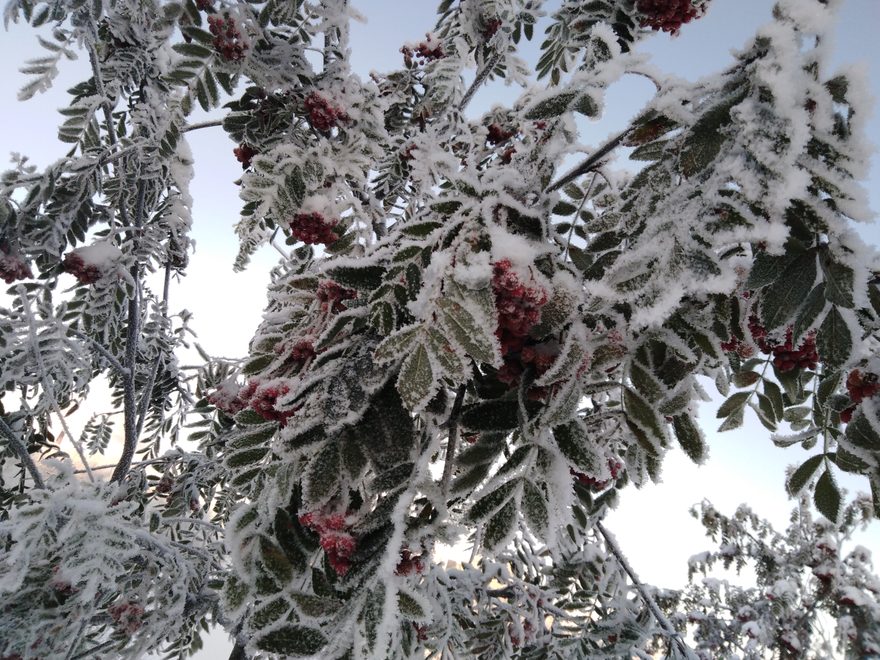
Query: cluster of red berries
(497,134)
(425,51)
(859,386)
(204,5)
(313,228)
(300,353)
(595,485)
(263,397)
(490,27)
(323,115)
(85,273)
(336,541)
(243,154)
(537,356)
(331,296)
(409,564)
(667,15)
(127,616)
(518,305)
(227,38)
(13,268)
(785,356)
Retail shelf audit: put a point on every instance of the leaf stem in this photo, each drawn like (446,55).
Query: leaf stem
(22,453)
(452,425)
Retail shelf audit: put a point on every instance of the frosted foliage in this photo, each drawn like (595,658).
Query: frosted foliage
(464,343)
(80,568)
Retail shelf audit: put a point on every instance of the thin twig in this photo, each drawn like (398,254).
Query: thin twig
(452,425)
(482,75)
(116,364)
(201,124)
(151,381)
(664,622)
(590,162)
(23,455)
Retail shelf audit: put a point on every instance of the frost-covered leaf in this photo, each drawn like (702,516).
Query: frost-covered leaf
(827,497)
(292,641)
(416,382)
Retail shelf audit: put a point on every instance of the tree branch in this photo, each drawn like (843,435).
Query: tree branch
(452,425)
(664,622)
(202,124)
(22,453)
(482,76)
(130,407)
(116,364)
(590,162)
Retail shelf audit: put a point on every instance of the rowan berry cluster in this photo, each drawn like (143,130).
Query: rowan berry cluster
(313,228)
(263,397)
(860,386)
(425,51)
(490,27)
(497,134)
(227,37)
(667,15)
(785,356)
(85,273)
(243,154)
(323,115)
(127,616)
(300,353)
(331,296)
(13,268)
(409,564)
(518,305)
(788,358)
(596,485)
(204,5)
(335,539)
(228,398)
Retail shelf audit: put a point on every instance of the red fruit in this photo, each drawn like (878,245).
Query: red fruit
(313,229)
(332,296)
(243,154)
(667,15)
(322,114)
(85,273)
(491,28)
(861,385)
(227,39)
(13,267)
(127,616)
(497,135)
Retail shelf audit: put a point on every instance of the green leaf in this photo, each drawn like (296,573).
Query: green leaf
(827,497)
(250,436)
(488,504)
(861,433)
(813,306)
(834,342)
(500,526)
(534,507)
(275,560)
(323,472)
(552,106)
(475,338)
(644,416)
(586,105)
(246,457)
(733,421)
(410,606)
(838,281)
(783,298)
(316,607)
(689,437)
(734,403)
(574,444)
(292,640)
(772,391)
(416,380)
(365,278)
(382,318)
(397,345)
(497,415)
(803,474)
(768,268)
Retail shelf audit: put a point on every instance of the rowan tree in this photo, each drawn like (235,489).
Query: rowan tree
(476,333)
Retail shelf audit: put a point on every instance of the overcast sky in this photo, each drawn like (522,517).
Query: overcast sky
(652,525)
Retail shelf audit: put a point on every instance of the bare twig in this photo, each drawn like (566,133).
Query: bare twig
(482,76)
(22,453)
(116,364)
(201,124)
(664,622)
(591,162)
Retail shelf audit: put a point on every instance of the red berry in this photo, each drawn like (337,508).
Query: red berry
(667,15)
(331,296)
(13,268)
(313,229)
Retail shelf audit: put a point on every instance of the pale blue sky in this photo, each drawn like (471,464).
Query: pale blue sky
(652,525)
